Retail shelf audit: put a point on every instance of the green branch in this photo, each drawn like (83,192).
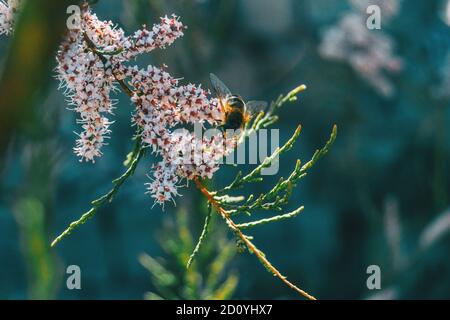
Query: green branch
(201,238)
(254,175)
(133,161)
(272,219)
(320,153)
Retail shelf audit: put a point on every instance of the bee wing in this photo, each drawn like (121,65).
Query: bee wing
(219,87)
(256,106)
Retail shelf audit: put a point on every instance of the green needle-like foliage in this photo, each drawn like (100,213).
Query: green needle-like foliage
(202,237)
(281,191)
(207,278)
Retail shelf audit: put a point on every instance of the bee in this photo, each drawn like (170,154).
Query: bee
(237,113)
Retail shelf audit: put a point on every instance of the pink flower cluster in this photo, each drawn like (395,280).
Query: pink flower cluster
(162,105)
(88,81)
(187,156)
(161,35)
(7,12)
(369,52)
(93,62)
(89,77)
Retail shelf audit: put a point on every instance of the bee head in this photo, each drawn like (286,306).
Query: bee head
(236,102)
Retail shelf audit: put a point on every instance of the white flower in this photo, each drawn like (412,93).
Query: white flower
(160,36)
(164,186)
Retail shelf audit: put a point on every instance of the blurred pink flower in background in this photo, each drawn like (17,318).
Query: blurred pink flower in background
(369,52)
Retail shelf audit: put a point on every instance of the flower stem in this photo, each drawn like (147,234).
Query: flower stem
(251,247)
(101,56)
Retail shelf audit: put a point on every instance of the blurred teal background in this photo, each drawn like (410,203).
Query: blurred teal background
(381,196)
